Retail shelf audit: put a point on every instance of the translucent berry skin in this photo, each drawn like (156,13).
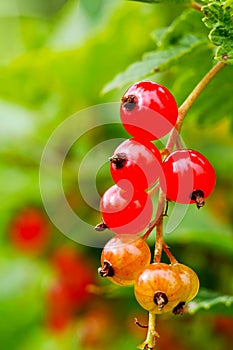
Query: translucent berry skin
(126,211)
(148,110)
(155,278)
(190,282)
(186,171)
(127,255)
(136,162)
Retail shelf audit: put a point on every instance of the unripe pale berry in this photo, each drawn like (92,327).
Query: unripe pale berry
(123,257)
(158,288)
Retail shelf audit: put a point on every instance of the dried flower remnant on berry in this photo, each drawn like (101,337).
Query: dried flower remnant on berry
(119,160)
(198,197)
(179,309)
(160,300)
(107,270)
(129,102)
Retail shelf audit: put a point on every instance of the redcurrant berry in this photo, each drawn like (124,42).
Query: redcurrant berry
(136,162)
(158,288)
(123,257)
(189,280)
(75,274)
(189,177)
(125,211)
(190,285)
(148,110)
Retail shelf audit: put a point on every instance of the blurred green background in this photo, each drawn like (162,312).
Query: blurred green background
(56,58)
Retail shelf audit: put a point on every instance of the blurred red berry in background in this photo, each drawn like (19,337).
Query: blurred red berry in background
(69,293)
(30,231)
(59,312)
(75,273)
(97,329)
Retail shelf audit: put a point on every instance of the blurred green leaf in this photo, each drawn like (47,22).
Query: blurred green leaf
(162,1)
(156,61)
(211,302)
(30,8)
(200,228)
(23,285)
(189,22)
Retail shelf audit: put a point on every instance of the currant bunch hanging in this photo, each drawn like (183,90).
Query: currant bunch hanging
(148,111)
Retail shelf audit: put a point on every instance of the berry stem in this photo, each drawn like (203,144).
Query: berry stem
(159,239)
(159,228)
(186,105)
(150,341)
(169,254)
(196,6)
(153,190)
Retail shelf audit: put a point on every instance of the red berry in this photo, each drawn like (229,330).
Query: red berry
(123,257)
(136,162)
(189,177)
(148,110)
(126,211)
(158,288)
(75,274)
(29,231)
(58,308)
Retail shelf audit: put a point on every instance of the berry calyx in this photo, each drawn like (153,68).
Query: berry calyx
(198,197)
(119,160)
(189,177)
(179,309)
(158,288)
(122,259)
(160,300)
(106,270)
(148,110)
(136,164)
(126,211)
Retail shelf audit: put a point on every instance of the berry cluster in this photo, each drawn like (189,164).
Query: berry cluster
(148,112)
(158,287)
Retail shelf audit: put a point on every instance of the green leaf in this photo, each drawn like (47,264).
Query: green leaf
(218,19)
(189,22)
(155,61)
(207,232)
(211,302)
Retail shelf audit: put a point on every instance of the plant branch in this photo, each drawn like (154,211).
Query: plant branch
(159,239)
(196,6)
(169,254)
(150,341)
